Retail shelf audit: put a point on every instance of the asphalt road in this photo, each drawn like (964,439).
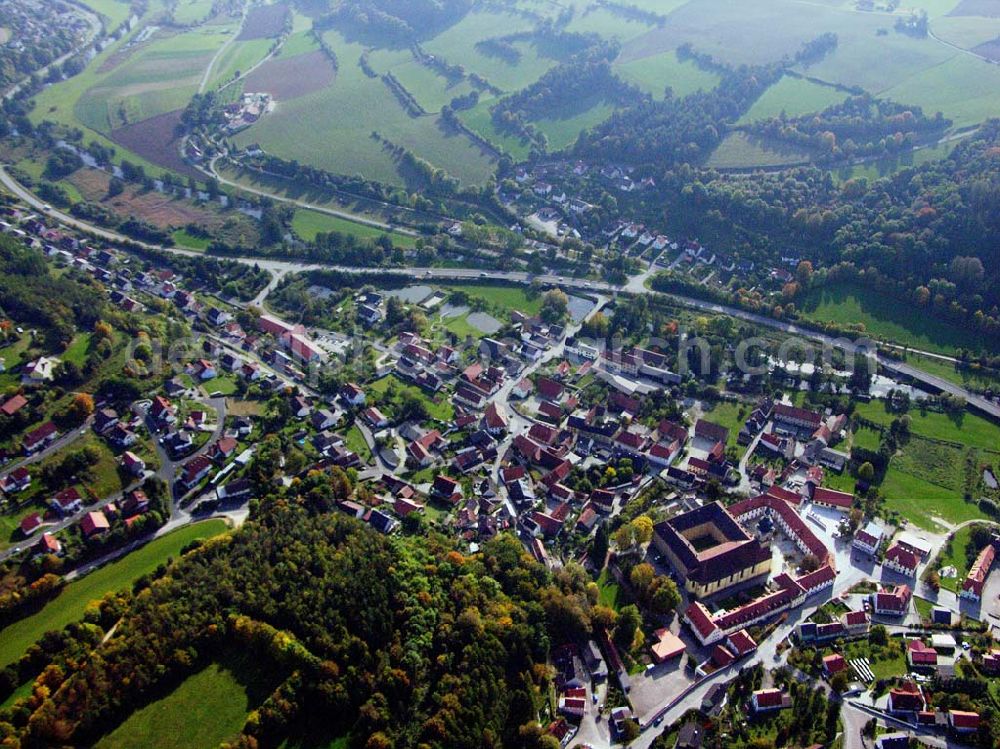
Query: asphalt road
(636,285)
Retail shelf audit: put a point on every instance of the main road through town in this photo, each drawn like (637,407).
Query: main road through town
(635,285)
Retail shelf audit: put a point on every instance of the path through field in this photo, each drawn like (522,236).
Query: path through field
(218,54)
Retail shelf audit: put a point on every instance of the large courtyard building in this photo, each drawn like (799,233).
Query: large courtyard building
(711,552)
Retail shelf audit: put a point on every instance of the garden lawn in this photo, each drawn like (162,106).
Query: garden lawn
(441,410)
(205,710)
(511,298)
(355,442)
(611,593)
(924,607)
(460,326)
(886,318)
(727,414)
(884,663)
(70,604)
(225,384)
(76,352)
(953,554)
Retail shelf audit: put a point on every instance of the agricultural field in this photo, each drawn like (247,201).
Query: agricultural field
(793,96)
(353,109)
(337,118)
(924,503)
(478,119)
(307,224)
(653,74)
(315,221)
(114,12)
(963,428)
(70,604)
(237,59)
(885,318)
(947,370)
(431,90)
(159,77)
(206,709)
(741,151)
(191,12)
(457,45)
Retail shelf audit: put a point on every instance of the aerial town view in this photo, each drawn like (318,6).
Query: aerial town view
(488,374)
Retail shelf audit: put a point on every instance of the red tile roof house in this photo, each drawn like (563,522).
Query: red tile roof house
(404,507)
(133,463)
(94,523)
(764,700)
(420,449)
(707,430)
(48,544)
(902,561)
(67,501)
(195,470)
(893,601)
(906,699)
(495,419)
(13,404)
(223,449)
(921,655)
(352,394)
(856,622)
(446,489)
(832,498)
(375,418)
(16,481)
(38,439)
(963,721)
(972,587)
(796,416)
(163,410)
(550,389)
(834,664)
(136,502)
(31,523)
(741,643)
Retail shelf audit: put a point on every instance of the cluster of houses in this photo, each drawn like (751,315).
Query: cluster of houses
(798,435)
(67,503)
(907,701)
